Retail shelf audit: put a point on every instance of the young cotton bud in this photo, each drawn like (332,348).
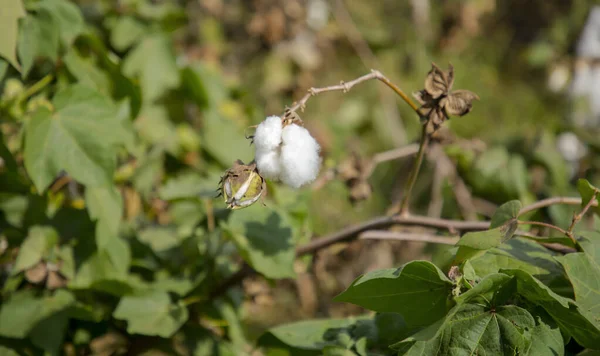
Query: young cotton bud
(268,163)
(300,161)
(268,134)
(241,186)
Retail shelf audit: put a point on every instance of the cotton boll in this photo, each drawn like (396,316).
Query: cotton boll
(268,134)
(268,163)
(300,161)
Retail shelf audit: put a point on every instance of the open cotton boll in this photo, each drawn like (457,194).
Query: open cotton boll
(300,161)
(268,133)
(268,163)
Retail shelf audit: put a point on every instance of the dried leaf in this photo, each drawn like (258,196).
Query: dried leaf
(37,273)
(459,102)
(55,280)
(438,82)
(109,344)
(360,190)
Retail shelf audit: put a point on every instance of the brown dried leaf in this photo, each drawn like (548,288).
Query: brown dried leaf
(37,273)
(360,190)
(55,280)
(110,343)
(438,82)
(459,102)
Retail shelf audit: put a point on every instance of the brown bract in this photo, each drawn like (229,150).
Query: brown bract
(438,100)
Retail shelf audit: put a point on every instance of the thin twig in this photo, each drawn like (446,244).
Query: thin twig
(577,217)
(550,201)
(346,86)
(350,233)
(550,226)
(395,153)
(406,236)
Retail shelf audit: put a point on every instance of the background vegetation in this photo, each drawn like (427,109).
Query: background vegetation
(119,117)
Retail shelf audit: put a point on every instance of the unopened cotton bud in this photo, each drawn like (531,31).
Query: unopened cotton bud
(268,134)
(268,163)
(241,186)
(300,161)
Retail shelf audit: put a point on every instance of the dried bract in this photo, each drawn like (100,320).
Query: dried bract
(438,101)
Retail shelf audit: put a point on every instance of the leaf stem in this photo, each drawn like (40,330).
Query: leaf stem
(36,87)
(578,217)
(414,173)
(346,86)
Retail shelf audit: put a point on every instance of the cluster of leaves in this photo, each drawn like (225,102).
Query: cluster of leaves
(507,296)
(111,150)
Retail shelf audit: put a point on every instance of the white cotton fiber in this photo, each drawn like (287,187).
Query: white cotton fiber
(268,134)
(268,163)
(300,161)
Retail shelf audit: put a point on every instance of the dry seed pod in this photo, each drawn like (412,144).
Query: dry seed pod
(438,101)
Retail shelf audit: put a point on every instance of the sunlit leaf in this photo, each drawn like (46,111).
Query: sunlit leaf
(265,238)
(78,137)
(418,291)
(151,313)
(12,11)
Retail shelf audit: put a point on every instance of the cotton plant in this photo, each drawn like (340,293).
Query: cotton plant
(285,152)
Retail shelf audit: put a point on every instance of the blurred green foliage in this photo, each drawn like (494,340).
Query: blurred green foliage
(118,119)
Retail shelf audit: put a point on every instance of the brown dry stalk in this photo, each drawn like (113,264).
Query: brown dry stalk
(352,232)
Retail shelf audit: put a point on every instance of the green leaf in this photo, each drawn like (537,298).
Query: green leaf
(586,190)
(304,337)
(502,227)
(486,290)
(68,17)
(224,140)
(105,205)
(3,68)
(160,238)
(151,313)
(125,32)
(154,127)
(418,291)
(12,11)
(584,273)
(79,138)
(87,72)
(106,270)
(22,311)
(38,244)
(545,341)
(506,213)
(153,62)
(265,238)
(49,333)
(471,329)
(187,185)
(563,310)
(38,38)
(526,255)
